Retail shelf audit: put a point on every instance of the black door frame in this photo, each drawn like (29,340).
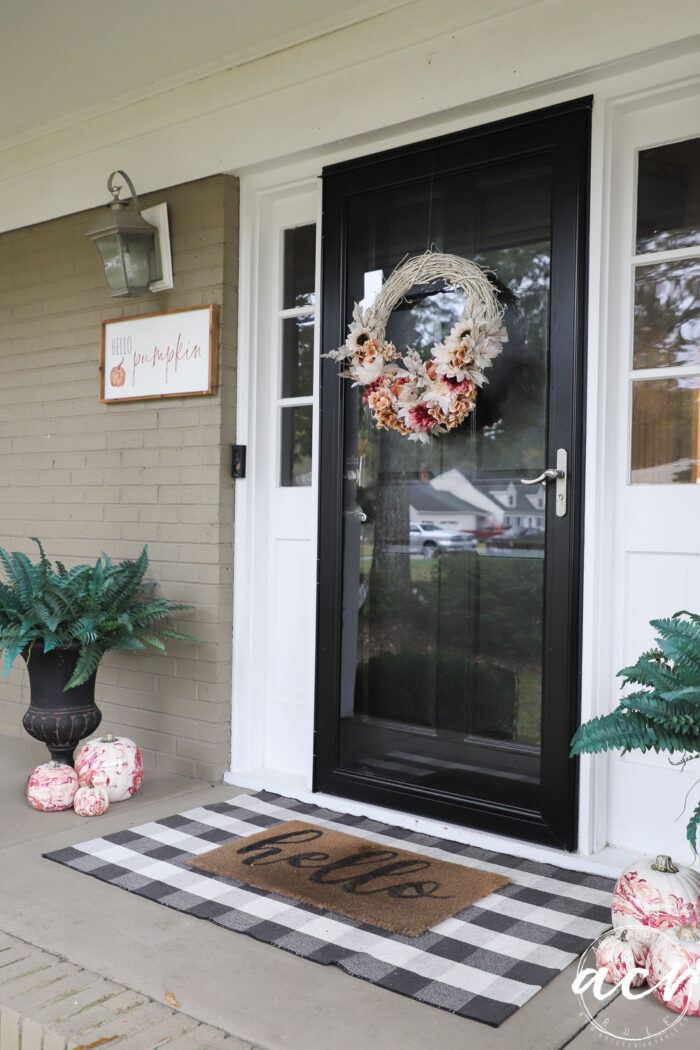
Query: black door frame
(563,132)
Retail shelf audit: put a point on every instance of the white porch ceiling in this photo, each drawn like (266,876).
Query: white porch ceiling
(65,60)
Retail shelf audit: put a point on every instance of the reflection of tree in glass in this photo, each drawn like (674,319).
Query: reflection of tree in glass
(668,196)
(505,434)
(667,240)
(665,425)
(466,652)
(297,356)
(296,445)
(424,320)
(390,575)
(510,430)
(667,314)
(299,266)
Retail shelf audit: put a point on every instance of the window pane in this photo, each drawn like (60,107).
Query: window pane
(295,446)
(299,267)
(665,432)
(668,197)
(297,356)
(667,314)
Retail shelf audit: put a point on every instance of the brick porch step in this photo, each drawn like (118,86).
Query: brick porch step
(47,1003)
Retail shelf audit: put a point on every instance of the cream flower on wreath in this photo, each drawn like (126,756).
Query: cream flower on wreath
(366,372)
(439,395)
(470,347)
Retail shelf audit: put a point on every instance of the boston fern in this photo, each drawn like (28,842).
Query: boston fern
(102,606)
(664,715)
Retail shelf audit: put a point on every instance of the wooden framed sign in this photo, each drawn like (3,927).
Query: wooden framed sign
(168,354)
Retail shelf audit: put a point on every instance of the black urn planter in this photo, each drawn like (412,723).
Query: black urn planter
(59,719)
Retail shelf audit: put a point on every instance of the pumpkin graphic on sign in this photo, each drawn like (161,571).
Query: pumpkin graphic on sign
(117,375)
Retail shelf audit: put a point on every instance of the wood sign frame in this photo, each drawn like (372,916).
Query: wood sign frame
(173,353)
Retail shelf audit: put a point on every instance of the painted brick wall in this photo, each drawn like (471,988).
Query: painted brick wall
(86,477)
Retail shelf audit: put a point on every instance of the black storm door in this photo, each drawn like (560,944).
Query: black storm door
(449,590)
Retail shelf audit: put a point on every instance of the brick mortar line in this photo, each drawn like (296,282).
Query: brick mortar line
(13,1024)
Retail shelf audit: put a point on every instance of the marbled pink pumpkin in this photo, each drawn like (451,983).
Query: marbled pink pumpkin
(111,762)
(52,786)
(674,970)
(91,800)
(618,956)
(657,894)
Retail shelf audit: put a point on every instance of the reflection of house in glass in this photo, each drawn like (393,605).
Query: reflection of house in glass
(445,507)
(522,505)
(453,499)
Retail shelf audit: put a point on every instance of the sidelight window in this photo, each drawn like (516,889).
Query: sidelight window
(665,376)
(297,318)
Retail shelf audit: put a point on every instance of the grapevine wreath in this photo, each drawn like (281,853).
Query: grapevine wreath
(420,398)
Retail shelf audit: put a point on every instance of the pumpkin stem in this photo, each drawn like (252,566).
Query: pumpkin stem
(664,863)
(108,738)
(687,933)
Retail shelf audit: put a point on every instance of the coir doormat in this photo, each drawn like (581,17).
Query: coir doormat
(482,963)
(391,888)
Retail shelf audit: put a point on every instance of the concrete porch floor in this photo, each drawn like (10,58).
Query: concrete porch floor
(264,997)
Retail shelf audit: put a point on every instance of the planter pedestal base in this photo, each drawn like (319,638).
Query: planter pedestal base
(57,716)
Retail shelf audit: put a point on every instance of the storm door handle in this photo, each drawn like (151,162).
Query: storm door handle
(558,474)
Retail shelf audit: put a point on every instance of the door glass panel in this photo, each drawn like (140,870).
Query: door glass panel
(299,267)
(443,546)
(668,197)
(667,314)
(665,431)
(298,356)
(295,445)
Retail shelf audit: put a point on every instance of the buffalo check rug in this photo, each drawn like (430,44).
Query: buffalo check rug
(483,963)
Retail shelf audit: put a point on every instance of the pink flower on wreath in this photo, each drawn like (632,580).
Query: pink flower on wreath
(371,387)
(463,387)
(420,418)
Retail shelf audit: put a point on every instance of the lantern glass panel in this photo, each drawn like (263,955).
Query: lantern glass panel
(138,274)
(113,263)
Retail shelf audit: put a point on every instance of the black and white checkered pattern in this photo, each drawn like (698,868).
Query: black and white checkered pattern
(482,963)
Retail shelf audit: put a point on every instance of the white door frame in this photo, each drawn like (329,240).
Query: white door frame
(613,97)
(265,210)
(654,545)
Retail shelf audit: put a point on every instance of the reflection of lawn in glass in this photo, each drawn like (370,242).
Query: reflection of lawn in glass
(529,708)
(421,569)
(473,629)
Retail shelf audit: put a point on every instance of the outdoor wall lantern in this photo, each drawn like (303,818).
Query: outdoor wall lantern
(135,252)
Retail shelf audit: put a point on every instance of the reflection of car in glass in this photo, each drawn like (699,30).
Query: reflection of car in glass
(428,539)
(517,537)
(486,532)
